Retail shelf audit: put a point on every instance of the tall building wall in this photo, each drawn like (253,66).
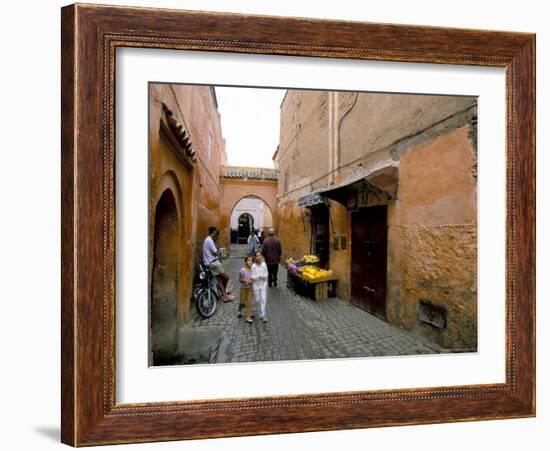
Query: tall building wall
(199,110)
(429,143)
(303,140)
(193,179)
(432,239)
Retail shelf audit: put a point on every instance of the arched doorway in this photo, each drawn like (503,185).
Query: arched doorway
(241,186)
(164,280)
(245,226)
(248,214)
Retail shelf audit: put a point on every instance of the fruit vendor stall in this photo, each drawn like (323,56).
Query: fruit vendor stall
(306,278)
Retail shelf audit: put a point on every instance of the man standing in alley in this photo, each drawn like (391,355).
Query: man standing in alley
(272,253)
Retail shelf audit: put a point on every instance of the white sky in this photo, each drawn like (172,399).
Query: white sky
(250,119)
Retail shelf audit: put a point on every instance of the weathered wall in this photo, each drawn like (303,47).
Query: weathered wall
(331,138)
(386,119)
(327,133)
(340,259)
(200,113)
(432,239)
(303,140)
(293,231)
(196,187)
(179,181)
(302,163)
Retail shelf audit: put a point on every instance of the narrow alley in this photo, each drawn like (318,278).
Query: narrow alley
(300,328)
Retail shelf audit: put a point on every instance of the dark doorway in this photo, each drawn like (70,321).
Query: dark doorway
(246,225)
(369,238)
(164,281)
(320,234)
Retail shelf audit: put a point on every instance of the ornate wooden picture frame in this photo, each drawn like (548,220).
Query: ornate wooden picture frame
(90,37)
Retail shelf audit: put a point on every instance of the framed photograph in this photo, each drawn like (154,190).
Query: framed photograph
(278,225)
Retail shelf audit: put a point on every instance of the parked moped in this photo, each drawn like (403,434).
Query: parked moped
(206,292)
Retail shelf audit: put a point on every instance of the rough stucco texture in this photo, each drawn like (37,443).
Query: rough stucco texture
(293,230)
(340,258)
(432,240)
(196,190)
(436,264)
(432,225)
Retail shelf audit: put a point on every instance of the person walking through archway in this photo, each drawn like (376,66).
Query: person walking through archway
(253,243)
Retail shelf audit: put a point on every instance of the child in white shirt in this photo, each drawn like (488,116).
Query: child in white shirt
(259,283)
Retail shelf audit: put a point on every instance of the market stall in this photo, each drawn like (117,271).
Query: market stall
(307,279)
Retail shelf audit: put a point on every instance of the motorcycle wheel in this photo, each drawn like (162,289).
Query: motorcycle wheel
(207,303)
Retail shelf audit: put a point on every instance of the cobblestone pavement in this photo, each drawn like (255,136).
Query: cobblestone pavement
(300,328)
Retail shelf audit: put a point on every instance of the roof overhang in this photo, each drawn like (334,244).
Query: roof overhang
(177,136)
(383,181)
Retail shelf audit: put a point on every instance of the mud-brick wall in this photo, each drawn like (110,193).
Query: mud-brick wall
(294,231)
(202,118)
(340,259)
(196,190)
(432,239)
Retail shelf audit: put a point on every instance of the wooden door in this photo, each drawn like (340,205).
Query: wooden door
(369,239)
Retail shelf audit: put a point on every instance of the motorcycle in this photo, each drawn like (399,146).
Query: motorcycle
(206,293)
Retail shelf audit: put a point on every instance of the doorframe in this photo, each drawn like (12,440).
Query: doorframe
(363,210)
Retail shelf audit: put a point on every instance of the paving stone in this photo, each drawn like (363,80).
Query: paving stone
(300,328)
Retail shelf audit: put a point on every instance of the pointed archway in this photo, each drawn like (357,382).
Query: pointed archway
(164,280)
(238,183)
